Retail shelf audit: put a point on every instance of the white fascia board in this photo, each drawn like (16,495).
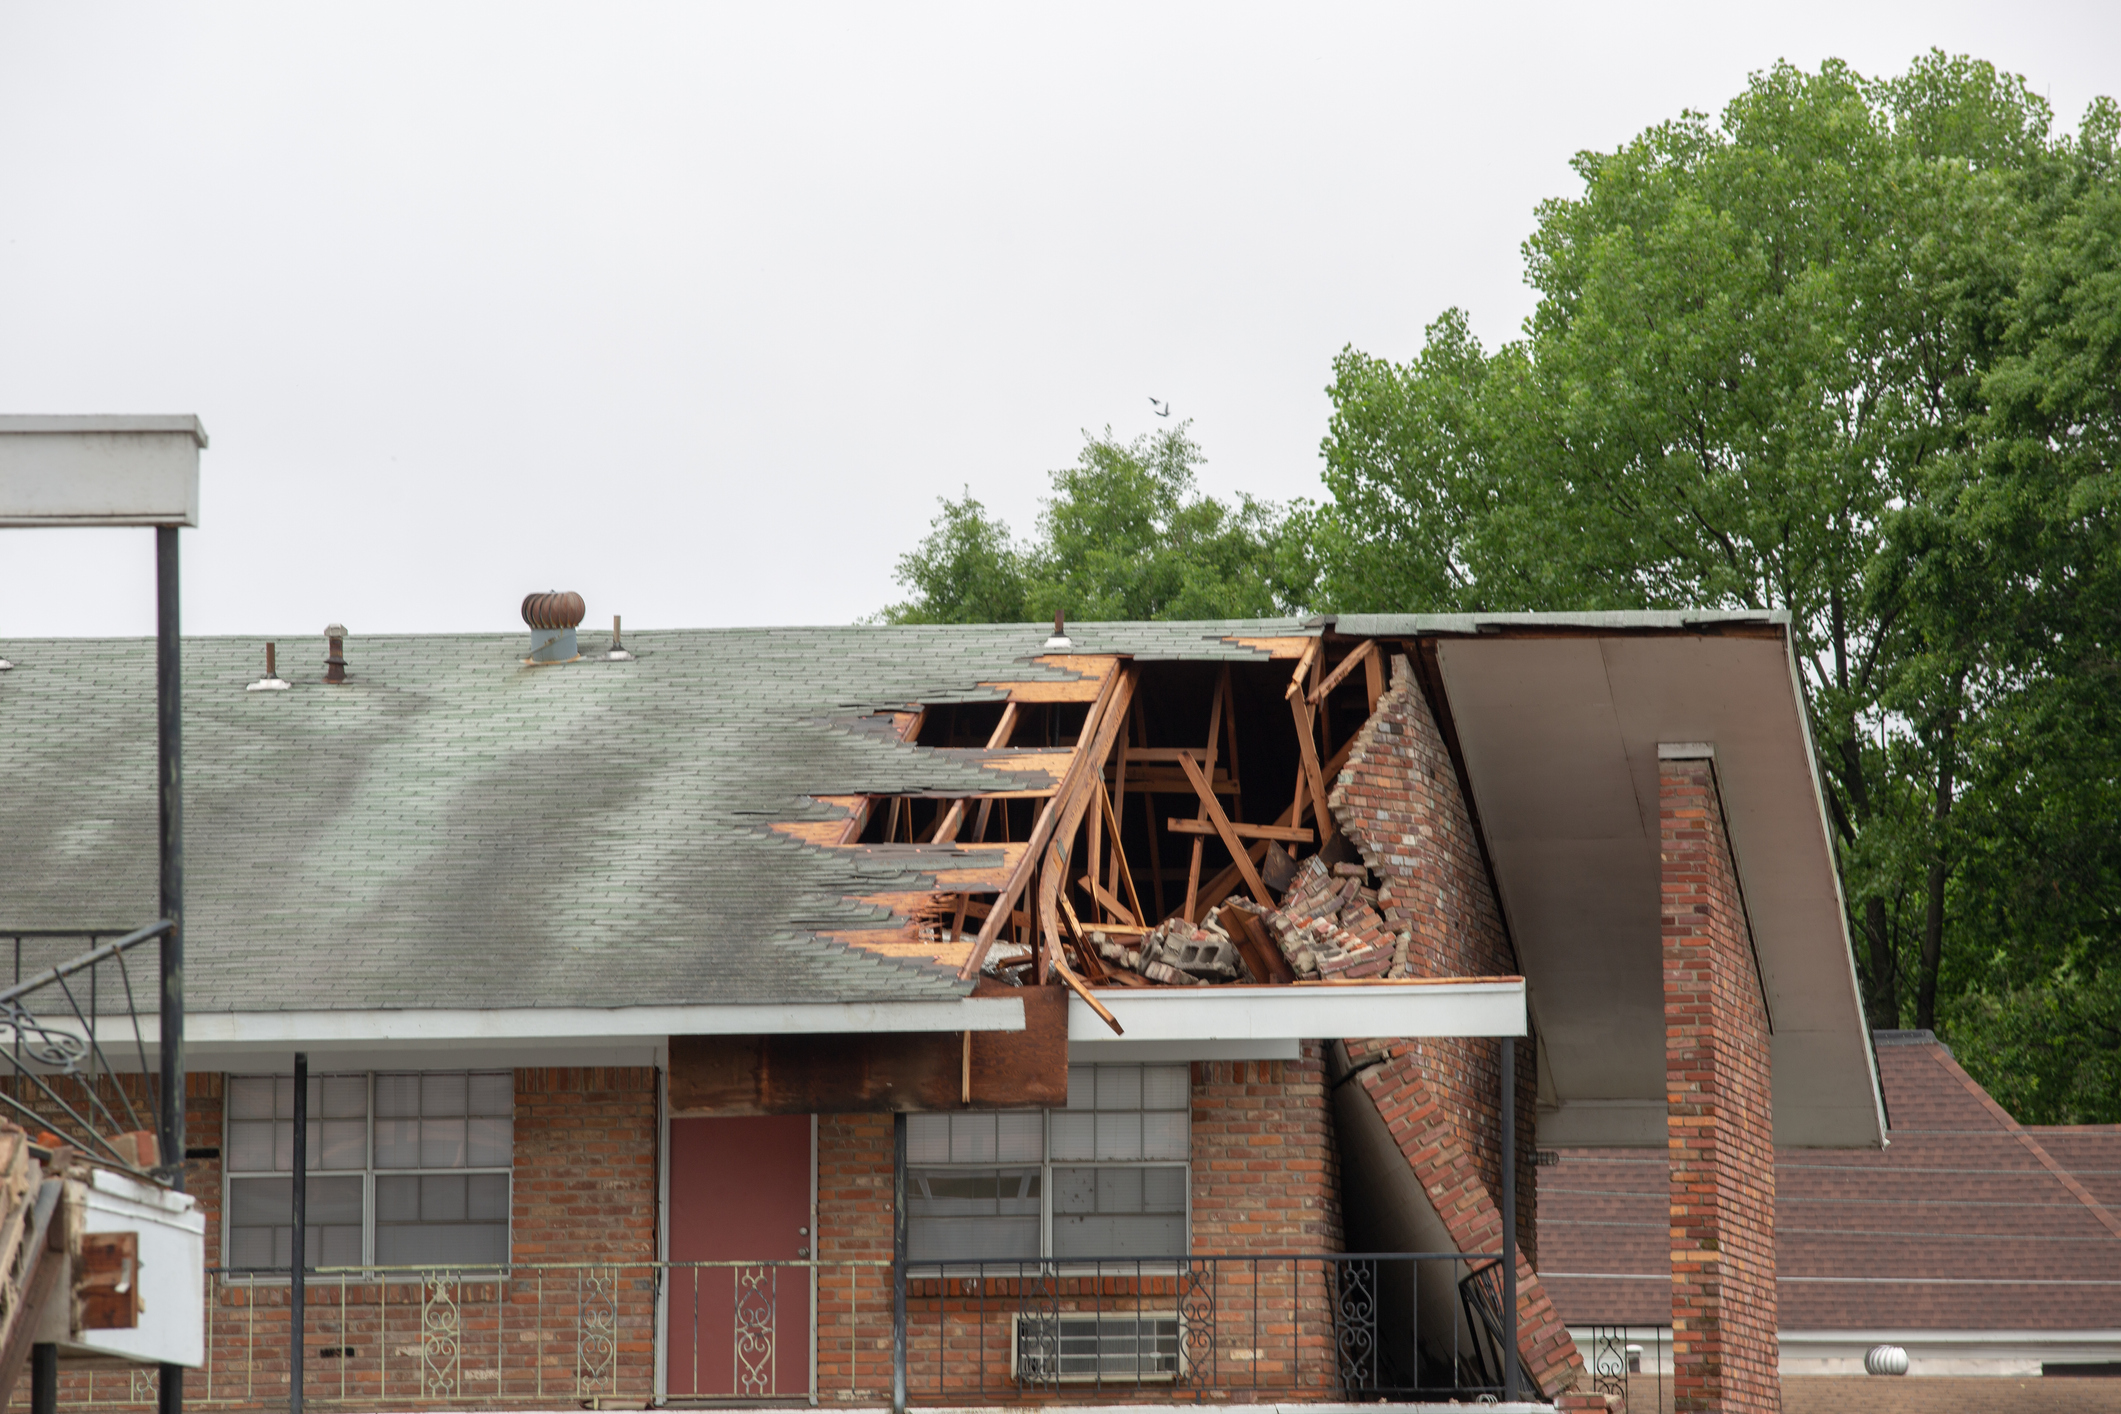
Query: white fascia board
(566,1026)
(1231,1013)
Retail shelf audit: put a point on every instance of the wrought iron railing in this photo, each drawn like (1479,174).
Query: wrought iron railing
(1390,1326)
(72,1008)
(1394,1326)
(1632,1364)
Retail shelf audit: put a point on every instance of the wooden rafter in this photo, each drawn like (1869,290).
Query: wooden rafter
(1121,870)
(1101,712)
(1238,855)
(1222,885)
(1074,800)
(1349,664)
(946,828)
(1287,834)
(1314,775)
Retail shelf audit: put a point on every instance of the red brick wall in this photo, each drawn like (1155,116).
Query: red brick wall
(1398,801)
(854,1192)
(1266,1176)
(584,1190)
(1264,1180)
(1721,1124)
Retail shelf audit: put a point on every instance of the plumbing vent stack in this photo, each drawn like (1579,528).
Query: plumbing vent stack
(335,654)
(553,617)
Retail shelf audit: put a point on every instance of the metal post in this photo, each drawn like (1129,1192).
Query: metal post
(1509,1217)
(169,735)
(44,1378)
(297,1261)
(898,1262)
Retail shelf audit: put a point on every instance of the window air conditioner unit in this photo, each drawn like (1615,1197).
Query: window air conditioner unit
(1130,1348)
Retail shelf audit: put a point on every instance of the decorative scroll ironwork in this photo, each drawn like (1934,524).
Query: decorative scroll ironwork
(144,1387)
(1355,1324)
(1196,1322)
(1609,1364)
(596,1366)
(41,1043)
(441,1336)
(753,1337)
(1038,1354)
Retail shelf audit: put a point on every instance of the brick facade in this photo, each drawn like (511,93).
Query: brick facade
(1399,802)
(558,1330)
(1721,1129)
(1263,1181)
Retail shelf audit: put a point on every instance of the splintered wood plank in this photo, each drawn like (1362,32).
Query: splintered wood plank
(1314,776)
(1287,834)
(1242,860)
(1225,883)
(1292,646)
(1095,670)
(1307,663)
(1073,982)
(1122,871)
(818,832)
(1103,732)
(1108,899)
(1349,664)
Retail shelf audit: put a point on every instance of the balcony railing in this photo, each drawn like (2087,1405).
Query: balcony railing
(1286,1327)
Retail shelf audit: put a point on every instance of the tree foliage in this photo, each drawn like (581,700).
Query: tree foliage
(1125,535)
(1852,350)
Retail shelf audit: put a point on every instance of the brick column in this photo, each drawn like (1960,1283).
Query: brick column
(1720,1130)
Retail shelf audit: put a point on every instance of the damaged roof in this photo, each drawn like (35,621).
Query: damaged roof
(451,828)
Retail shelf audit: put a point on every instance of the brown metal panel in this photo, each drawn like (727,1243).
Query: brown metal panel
(842,1073)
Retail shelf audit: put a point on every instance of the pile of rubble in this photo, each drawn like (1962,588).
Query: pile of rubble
(1328,925)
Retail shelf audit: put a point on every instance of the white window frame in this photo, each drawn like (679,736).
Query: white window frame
(1047,1164)
(368,1173)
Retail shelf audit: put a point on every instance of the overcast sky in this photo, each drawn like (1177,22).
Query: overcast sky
(696,310)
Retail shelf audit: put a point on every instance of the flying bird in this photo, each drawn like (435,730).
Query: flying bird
(1163,409)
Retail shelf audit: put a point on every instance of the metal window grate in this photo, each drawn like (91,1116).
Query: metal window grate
(1069,1349)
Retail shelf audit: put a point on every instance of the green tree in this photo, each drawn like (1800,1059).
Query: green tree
(1809,356)
(1125,535)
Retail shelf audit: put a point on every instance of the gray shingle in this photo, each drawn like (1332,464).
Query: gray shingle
(452,829)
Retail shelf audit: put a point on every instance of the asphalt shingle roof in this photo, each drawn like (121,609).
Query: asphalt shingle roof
(1956,1225)
(453,829)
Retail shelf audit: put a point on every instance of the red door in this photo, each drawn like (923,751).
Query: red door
(739,1193)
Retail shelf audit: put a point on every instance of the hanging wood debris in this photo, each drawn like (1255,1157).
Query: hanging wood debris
(1162,824)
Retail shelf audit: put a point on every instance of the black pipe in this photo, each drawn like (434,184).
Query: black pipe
(297,1263)
(169,741)
(898,1262)
(44,1378)
(1509,1217)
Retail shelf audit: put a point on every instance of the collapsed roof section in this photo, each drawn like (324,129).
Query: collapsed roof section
(1164,824)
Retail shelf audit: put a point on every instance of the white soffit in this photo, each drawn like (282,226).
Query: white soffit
(1560,733)
(1227,1013)
(61,471)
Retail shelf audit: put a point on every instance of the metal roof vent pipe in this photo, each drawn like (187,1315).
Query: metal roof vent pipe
(272,681)
(335,653)
(553,617)
(1060,639)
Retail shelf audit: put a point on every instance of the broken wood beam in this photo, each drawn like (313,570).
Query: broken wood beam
(1242,860)
(1304,665)
(1287,834)
(1349,664)
(1049,816)
(1106,897)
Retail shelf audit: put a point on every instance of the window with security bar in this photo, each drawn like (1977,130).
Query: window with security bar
(405,1169)
(1106,1177)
